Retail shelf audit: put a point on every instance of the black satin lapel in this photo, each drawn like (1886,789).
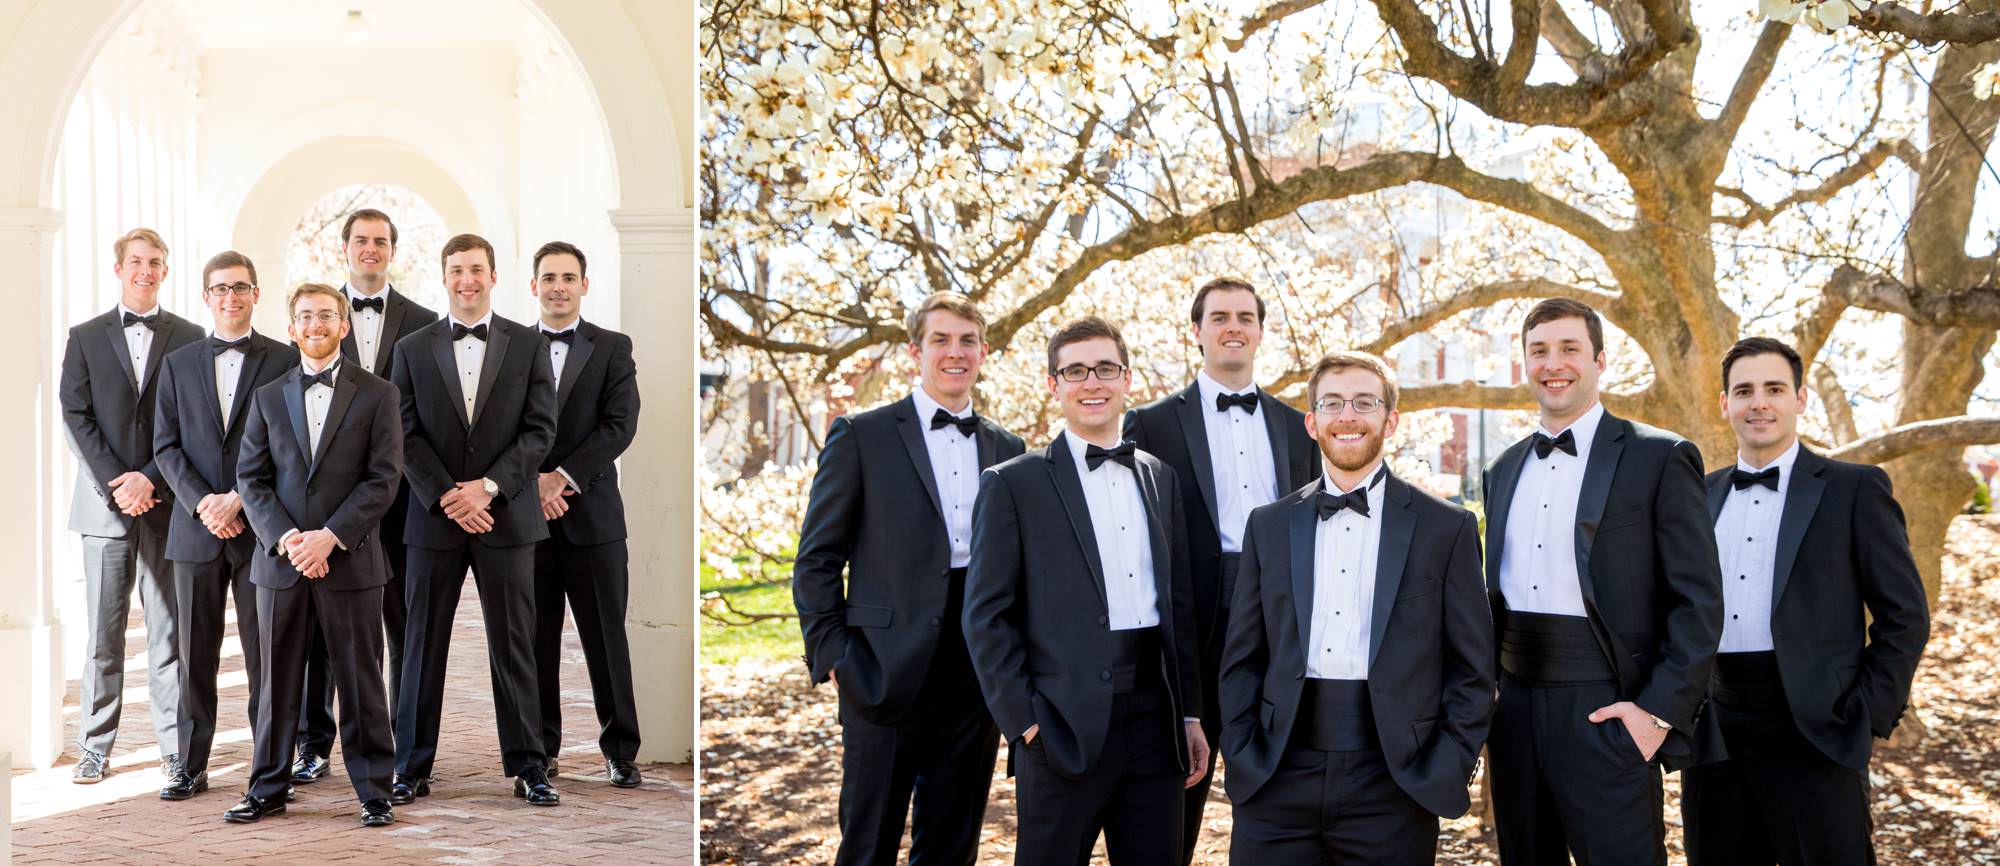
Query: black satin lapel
(1399,526)
(344,387)
(920,455)
(393,308)
(157,352)
(115,331)
(988,438)
(1156,535)
(580,349)
(1069,488)
(1605,449)
(295,406)
(1281,457)
(204,374)
(447,367)
(1718,493)
(497,341)
(1505,476)
(1304,524)
(1801,501)
(1189,412)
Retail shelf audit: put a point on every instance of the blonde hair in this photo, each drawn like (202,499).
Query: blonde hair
(1350,360)
(139,234)
(950,302)
(339,298)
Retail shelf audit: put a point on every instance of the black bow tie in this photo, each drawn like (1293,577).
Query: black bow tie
(221,345)
(1246,402)
(1094,456)
(323,377)
(1544,445)
(460,332)
(151,322)
(568,336)
(1742,479)
(376,304)
(1330,505)
(967,425)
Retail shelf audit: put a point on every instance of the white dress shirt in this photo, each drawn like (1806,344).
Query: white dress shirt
(955,464)
(138,343)
(1124,540)
(319,398)
(1538,568)
(228,370)
(1239,450)
(1746,536)
(1344,551)
(367,326)
(470,353)
(558,351)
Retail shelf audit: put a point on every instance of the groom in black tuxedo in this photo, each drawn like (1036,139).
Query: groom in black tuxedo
(1826,621)
(1357,684)
(1079,614)
(1607,599)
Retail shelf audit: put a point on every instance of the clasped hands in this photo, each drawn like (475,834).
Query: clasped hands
(308,551)
(551,488)
(132,493)
(467,504)
(222,514)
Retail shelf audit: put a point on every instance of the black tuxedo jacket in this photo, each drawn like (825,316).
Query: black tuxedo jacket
(401,317)
(1843,560)
(1430,644)
(1645,555)
(874,511)
(1173,429)
(345,487)
(189,445)
(109,422)
(597,414)
(1036,612)
(513,426)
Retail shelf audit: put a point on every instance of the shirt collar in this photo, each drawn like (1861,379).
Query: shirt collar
(1210,389)
(353,295)
(927,407)
(214,333)
(486,320)
(1374,482)
(306,365)
(1077,447)
(122,309)
(1783,465)
(1584,428)
(544,328)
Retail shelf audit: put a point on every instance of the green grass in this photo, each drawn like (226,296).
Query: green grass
(771,639)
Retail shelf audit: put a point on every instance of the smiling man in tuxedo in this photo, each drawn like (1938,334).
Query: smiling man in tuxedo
(380,317)
(322,446)
(1242,448)
(204,395)
(1607,599)
(121,503)
(892,503)
(479,414)
(1079,613)
(1357,684)
(1826,622)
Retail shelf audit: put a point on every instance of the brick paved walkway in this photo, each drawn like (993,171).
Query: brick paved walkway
(471,815)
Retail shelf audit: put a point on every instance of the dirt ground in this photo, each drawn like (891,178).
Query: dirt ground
(771,769)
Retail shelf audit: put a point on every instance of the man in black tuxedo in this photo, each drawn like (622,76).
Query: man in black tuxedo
(204,395)
(322,446)
(479,414)
(1826,621)
(1607,598)
(379,317)
(892,504)
(1242,448)
(1357,685)
(121,502)
(1079,615)
(584,558)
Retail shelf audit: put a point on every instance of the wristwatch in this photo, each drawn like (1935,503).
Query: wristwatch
(493,489)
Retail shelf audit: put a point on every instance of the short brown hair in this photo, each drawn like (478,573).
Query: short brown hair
(1749,346)
(464,242)
(1339,361)
(561,248)
(139,234)
(950,302)
(228,259)
(1086,328)
(1219,284)
(1564,308)
(372,215)
(339,298)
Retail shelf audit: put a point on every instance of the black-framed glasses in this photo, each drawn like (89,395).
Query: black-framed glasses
(1105,371)
(221,290)
(1364,404)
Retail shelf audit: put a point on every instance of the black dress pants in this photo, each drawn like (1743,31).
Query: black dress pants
(1332,807)
(202,591)
(1132,795)
(594,579)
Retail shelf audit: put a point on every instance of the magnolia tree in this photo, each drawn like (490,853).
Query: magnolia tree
(1381,172)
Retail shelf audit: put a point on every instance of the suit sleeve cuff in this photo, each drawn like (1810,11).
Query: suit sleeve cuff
(568,479)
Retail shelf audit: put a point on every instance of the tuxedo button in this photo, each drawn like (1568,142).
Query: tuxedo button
(936,621)
(1104,675)
(311,490)
(1104,620)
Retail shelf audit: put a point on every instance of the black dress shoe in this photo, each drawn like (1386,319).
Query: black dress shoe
(184,786)
(376,813)
(533,785)
(624,774)
(310,768)
(90,769)
(251,810)
(406,789)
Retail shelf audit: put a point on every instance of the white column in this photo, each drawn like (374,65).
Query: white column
(30,636)
(657,282)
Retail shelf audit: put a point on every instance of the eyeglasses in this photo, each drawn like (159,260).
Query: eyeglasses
(1106,371)
(1365,404)
(221,290)
(326,317)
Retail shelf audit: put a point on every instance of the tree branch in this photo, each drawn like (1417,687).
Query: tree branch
(1964,28)
(1575,49)
(1975,307)
(1267,16)
(1839,415)
(1757,70)
(1908,439)
(1483,296)
(1855,172)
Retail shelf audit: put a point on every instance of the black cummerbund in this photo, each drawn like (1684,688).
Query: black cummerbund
(1135,660)
(1334,716)
(1542,649)
(1748,681)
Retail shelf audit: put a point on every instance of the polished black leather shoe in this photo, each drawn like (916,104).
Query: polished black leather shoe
(406,789)
(184,786)
(90,769)
(624,774)
(376,813)
(308,769)
(252,810)
(533,785)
